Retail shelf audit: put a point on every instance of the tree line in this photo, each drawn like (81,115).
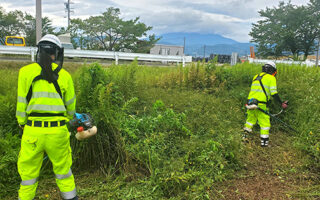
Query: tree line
(17,23)
(287,30)
(107,31)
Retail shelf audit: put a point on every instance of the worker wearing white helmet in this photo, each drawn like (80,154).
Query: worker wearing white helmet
(263,87)
(46,102)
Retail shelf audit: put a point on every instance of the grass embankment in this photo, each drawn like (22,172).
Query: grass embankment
(185,146)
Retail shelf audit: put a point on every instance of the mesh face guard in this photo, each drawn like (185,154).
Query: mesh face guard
(50,49)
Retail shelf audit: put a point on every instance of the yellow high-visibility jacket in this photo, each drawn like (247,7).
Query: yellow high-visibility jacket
(45,98)
(270,85)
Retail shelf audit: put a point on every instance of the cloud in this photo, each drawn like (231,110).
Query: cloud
(230,18)
(190,19)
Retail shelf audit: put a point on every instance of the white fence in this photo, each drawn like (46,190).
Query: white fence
(98,54)
(307,62)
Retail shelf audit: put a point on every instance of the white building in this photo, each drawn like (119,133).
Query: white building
(162,49)
(65,40)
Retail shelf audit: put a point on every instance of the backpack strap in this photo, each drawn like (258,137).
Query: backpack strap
(259,78)
(55,82)
(39,77)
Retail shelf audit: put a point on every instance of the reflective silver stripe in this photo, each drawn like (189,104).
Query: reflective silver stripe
(69,195)
(71,112)
(274,87)
(272,91)
(70,101)
(250,124)
(247,129)
(63,176)
(265,128)
(46,107)
(21,114)
(22,99)
(264,136)
(51,95)
(256,84)
(29,182)
(257,90)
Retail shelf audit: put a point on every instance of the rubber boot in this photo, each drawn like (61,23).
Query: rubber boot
(245,136)
(264,142)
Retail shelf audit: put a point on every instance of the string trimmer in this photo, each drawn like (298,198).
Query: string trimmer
(253,105)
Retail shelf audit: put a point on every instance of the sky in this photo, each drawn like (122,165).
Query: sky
(229,18)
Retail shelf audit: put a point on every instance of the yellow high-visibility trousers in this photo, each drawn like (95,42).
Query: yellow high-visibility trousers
(55,142)
(264,121)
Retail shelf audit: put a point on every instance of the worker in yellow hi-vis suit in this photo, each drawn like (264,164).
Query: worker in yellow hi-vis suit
(46,102)
(263,87)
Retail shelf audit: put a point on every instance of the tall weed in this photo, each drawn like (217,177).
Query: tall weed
(9,149)
(170,131)
(99,96)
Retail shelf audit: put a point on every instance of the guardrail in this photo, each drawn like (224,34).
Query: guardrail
(307,62)
(72,53)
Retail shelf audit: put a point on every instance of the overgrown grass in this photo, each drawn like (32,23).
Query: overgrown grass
(167,132)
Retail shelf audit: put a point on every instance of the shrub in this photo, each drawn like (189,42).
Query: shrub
(177,159)
(102,98)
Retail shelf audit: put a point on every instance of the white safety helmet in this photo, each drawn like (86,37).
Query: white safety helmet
(50,45)
(51,38)
(270,68)
(271,63)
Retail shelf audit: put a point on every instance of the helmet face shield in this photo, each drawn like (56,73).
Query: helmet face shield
(48,48)
(51,45)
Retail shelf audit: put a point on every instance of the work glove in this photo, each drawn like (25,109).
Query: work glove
(284,104)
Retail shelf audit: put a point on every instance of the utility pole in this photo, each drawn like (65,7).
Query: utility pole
(68,10)
(184,44)
(38,20)
(317,58)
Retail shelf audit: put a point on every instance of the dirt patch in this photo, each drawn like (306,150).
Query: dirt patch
(276,172)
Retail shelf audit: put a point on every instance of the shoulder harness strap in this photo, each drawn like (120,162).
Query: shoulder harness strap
(39,77)
(259,78)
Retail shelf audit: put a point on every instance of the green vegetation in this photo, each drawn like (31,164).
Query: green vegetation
(284,29)
(170,132)
(111,32)
(18,23)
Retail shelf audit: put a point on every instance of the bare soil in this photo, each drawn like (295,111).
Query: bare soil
(276,172)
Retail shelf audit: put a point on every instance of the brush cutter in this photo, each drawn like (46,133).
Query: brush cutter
(279,120)
(253,105)
(84,125)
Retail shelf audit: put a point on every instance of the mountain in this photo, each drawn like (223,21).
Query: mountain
(198,44)
(222,49)
(194,39)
